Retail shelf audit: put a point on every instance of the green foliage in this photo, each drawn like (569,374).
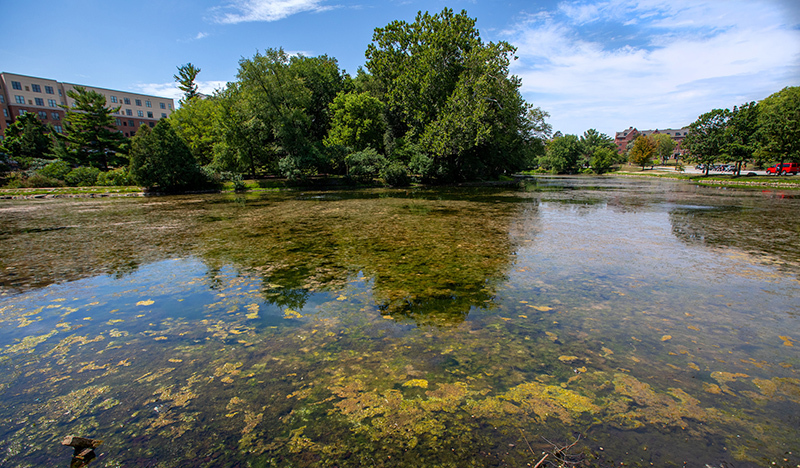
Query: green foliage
(82,177)
(592,141)
(451,93)
(56,170)
(159,158)
(363,166)
(741,134)
(664,145)
(26,138)
(395,174)
(642,152)
(563,155)
(706,139)
(185,79)
(602,160)
(89,135)
(36,181)
(196,121)
(119,177)
(779,125)
(357,122)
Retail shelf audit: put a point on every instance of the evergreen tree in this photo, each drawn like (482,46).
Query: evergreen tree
(160,158)
(91,137)
(26,138)
(185,78)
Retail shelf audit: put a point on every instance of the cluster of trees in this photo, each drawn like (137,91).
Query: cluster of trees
(591,152)
(435,102)
(763,132)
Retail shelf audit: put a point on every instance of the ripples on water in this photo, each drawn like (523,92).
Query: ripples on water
(652,321)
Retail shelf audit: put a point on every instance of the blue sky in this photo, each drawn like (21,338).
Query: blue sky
(606,64)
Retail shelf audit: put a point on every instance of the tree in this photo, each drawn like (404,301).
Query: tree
(91,137)
(196,121)
(321,76)
(592,140)
(741,134)
(642,152)
(706,138)
(357,122)
(159,158)
(185,78)
(664,145)
(26,138)
(451,93)
(779,125)
(602,160)
(563,155)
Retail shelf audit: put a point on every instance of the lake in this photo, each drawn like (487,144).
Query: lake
(587,321)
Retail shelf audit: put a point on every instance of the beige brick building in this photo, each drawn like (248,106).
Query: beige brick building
(20,94)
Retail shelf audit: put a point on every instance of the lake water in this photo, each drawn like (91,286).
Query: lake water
(598,321)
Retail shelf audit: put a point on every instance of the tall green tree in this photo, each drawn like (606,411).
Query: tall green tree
(664,146)
(643,151)
(90,134)
(779,125)
(357,122)
(706,139)
(323,78)
(185,78)
(451,93)
(196,121)
(592,140)
(563,155)
(27,138)
(160,158)
(741,134)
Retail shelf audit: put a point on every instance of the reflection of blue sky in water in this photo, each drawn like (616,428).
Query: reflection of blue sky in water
(606,320)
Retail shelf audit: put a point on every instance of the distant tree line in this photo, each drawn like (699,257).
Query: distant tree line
(435,104)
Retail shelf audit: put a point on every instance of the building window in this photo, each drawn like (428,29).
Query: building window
(5,112)
(114,99)
(59,93)
(19,99)
(116,111)
(149,115)
(163,115)
(151,124)
(36,88)
(48,90)
(119,122)
(58,129)
(162,105)
(39,101)
(16,85)
(42,115)
(170,106)
(140,113)
(22,112)
(52,103)
(128,112)
(130,123)
(128,101)
(2,99)
(55,115)
(139,102)
(148,104)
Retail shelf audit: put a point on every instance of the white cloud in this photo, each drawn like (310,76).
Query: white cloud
(267,10)
(686,59)
(170,90)
(200,35)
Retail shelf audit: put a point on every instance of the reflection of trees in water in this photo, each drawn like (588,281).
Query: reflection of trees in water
(764,228)
(430,259)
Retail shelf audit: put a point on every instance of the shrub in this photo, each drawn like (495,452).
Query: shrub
(56,170)
(118,177)
(82,176)
(363,166)
(395,174)
(160,158)
(40,181)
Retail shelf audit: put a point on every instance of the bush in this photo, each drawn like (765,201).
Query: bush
(395,174)
(160,158)
(56,170)
(119,177)
(34,181)
(363,166)
(82,176)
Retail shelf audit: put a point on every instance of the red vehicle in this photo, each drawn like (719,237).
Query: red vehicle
(785,168)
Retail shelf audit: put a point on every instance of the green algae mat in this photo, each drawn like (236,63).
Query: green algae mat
(567,322)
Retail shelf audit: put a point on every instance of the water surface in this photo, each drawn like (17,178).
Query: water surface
(648,322)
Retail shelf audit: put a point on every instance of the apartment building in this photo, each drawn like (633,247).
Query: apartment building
(621,139)
(20,94)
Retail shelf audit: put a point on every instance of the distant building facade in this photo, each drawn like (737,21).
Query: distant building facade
(621,139)
(21,94)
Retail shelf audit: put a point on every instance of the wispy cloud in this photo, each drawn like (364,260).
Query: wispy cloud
(170,90)
(200,35)
(241,11)
(677,60)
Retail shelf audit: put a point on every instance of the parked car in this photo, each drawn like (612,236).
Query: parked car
(785,168)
